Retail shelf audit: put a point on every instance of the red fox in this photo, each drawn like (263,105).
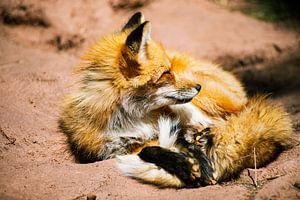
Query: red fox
(171,120)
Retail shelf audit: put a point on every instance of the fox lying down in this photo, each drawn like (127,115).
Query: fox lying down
(172,121)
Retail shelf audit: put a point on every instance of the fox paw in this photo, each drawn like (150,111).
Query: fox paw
(200,172)
(196,135)
(200,138)
(195,169)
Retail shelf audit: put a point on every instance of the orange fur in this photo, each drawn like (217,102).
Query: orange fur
(129,83)
(238,124)
(262,125)
(221,92)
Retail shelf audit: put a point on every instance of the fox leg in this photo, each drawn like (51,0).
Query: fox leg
(189,163)
(217,153)
(176,162)
(196,151)
(192,171)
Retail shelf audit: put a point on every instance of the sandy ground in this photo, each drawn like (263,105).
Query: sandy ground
(42,41)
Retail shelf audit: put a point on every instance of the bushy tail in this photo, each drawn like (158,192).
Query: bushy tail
(219,154)
(263,128)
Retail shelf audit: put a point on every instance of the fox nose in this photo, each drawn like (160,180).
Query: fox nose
(198,87)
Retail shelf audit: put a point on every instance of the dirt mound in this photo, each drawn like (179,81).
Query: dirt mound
(24,15)
(128,4)
(40,44)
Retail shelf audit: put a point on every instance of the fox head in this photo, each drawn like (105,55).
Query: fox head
(131,71)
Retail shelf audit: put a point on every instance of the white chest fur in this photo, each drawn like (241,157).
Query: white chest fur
(139,130)
(190,114)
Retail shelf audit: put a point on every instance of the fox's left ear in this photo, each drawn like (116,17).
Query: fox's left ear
(135,20)
(138,39)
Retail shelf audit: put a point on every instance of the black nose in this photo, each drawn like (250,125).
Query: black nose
(198,87)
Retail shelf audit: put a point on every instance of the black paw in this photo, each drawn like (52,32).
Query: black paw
(197,149)
(203,138)
(188,169)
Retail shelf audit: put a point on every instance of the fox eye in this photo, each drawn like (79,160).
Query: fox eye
(167,72)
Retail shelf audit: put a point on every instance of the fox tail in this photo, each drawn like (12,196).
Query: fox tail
(228,147)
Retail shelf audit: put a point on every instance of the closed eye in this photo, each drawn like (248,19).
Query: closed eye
(165,76)
(167,72)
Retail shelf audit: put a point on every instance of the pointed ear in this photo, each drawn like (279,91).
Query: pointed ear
(137,40)
(134,21)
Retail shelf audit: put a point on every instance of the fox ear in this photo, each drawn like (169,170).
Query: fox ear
(137,40)
(134,21)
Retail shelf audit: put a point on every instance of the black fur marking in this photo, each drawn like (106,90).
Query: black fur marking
(209,141)
(205,140)
(196,152)
(179,164)
(174,128)
(135,20)
(135,38)
(174,163)
(206,130)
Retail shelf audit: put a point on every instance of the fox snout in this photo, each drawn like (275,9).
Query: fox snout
(178,95)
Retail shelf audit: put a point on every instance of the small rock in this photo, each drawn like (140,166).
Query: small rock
(277,48)
(91,196)
(297,185)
